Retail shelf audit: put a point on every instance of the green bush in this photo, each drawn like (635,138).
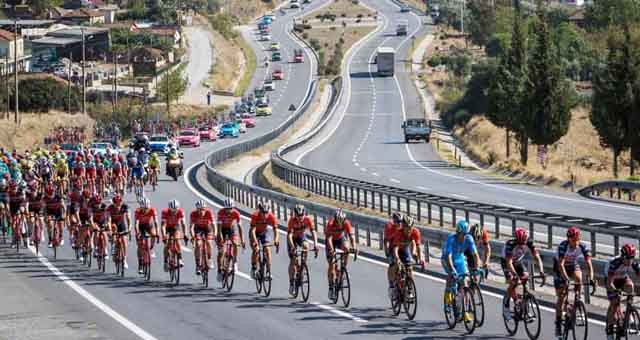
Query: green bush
(44,94)
(435,61)
(224,23)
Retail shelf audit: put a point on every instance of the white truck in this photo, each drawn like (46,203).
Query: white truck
(385,59)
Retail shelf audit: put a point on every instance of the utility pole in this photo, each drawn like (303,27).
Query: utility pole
(167,79)
(84,76)
(6,84)
(462,8)
(69,83)
(15,66)
(115,81)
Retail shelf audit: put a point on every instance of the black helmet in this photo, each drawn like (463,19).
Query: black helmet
(299,210)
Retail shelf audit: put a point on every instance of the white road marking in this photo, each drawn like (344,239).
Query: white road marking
(339,312)
(460,196)
(187,249)
(511,206)
(423,188)
(394,180)
(135,329)
(363,169)
(375,174)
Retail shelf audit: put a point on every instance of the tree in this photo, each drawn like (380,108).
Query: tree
(172,86)
(613,96)
(482,22)
(40,7)
(603,13)
(549,93)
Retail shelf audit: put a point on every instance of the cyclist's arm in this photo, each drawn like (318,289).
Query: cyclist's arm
(314,234)
(539,260)
(127,217)
(418,250)
(510,265)
(240,230)
(183,225)
(136,225)
(589,267)
(487,253)
(563,271)
(352,240)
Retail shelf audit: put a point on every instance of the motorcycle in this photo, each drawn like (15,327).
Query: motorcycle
(174,167)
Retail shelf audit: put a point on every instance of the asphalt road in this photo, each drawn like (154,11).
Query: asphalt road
(365,140)
(200,60)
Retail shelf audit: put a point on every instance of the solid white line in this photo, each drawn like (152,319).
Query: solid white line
(375,174)
(363,169)
(187,249)
(460,196)
(394,180)
(422,188)
(339,312)
(141,333)
(511,206)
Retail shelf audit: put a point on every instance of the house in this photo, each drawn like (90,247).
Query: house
(83,16)
(147,61)
(57,13)
(169,33)
(68,41)
(29,29)
(8,53)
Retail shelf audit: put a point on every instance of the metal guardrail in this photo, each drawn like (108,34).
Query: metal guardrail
(616,189)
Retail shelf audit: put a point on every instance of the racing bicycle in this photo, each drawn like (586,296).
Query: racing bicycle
(627,324)
(523,308)
(341,283)
(404,292)
(228,265)
(262,274)
(575,313)
(459,305)
(173,263)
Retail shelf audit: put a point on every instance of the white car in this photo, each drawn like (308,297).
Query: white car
(294,4)
(102,148)
(243,128)
(265,37)
(269,85)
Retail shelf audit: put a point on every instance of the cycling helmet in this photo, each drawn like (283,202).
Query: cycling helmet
(145,203)
(573,233)
(408,221)
(521,236)
(3,183)
(200,204)
(174,204)
(97,199)
(86,194)
(22,185)
(462,227)
(396,217)
(262,207)
(299,210)
(339,216)
(477,231)
(628,251)
(229,203)
(49,190)
(142,150)
(117,199)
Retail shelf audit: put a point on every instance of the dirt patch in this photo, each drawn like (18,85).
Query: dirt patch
(35,127)
(342,9)
(228,66)
(246,11)
(419,4)
(326,41)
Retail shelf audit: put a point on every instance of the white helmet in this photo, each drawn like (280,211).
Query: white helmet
(174,204)
(229,203)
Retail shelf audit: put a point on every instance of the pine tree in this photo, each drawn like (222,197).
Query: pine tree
(550,93)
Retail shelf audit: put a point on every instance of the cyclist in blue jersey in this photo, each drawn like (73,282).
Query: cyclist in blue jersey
(453,259)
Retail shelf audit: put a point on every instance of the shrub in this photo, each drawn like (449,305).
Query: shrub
(305,35)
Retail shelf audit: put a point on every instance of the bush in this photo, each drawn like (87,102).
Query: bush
(435,61)
(44,94)
(315,44)
(224,23)
(305,35)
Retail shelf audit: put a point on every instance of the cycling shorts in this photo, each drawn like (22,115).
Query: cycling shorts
(137,172)
(619,285)
(204,233)
(227,234)
(56,214)
(145,229)
(121,226)
(459,266)
(405,255)
(521,271)
(338,243)
(264,237)
(35,210)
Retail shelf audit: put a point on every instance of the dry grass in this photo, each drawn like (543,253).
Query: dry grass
(35,127)
(344,9)
(246,11)
(328,36)
(419,4)
(229,64)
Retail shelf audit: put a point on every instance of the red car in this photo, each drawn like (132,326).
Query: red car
(298,56)
(189,137)
(277,75)
(248,121)
(207,133)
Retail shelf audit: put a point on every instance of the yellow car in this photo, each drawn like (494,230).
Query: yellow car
(263,110)
(275,46)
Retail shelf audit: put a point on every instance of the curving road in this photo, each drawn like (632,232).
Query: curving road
(365,140)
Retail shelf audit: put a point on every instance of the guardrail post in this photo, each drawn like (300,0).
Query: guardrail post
(513,228)
(497,227)
(427,254)
(482,220)
(352,196)
(418,210)
(616,246)
(380,240)
(389,204)
(334,190)
(441,216)
(549,236)
(358,197)
(594,249)
(453,217)
(364,192)
(398,205)
(531,231)
(357,235)
(278,211)
(586,293)
(369,237)
(381,201)
(466,216)
(429,213)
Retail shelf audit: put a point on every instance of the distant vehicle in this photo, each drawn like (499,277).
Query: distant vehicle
(70,147)
(265,37)
(298,56)
(263,27)
(277,75)
(229,129)
(294,4)
(263,101)
(276,56)
(402,27)
(248,121)
(416,129)
(275,46)
(404,8)
(160,143)
(266,20)
(270,16)
(269,85)
(101,148)
(207,133)
(385,59)
(435,11)
(263,110)
(189,137)
(242,127)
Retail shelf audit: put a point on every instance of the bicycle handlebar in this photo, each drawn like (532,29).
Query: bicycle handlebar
(540,276)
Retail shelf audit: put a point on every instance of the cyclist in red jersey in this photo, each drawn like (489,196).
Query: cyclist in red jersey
(36,205)
(297,227)
(336,232)
(201,222)
(228,217)
(146,225)
(84,215)
(54,205)
(102,222)
(120,221)
(261,220)
(171,219)
(389,231)
(18,206)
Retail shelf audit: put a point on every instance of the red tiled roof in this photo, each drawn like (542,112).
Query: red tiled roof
(6,35)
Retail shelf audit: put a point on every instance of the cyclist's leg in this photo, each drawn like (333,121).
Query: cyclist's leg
(614,304)
(255,245)
(220,243)
(292,261)
(331,264)
(345,248)
(266,239)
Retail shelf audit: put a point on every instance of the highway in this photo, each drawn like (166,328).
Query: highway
(364,140)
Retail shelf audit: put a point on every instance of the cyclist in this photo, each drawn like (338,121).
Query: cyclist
(513,263)
(298,224)
(261,220)
(54,205)
(618,279)
(201,223)
(336,232)
(18,206)
(120,221)
(228,216)
(154,164)
(389,231)
(137,171)
(566,267)
(146,226)
(405,244)
(84,215)
(36,204)
(453,260)
(483,247)
(102,222)
(171,218)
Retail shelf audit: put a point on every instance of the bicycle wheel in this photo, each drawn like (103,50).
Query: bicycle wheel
(345,287)
(410,298)
(266,279)
(468,310)
(231,274)
(578,323)
(631,324)
(258,277)
(478,300)
(396,301)
(304,282)
(450,312)
(297,283)
(205,277)
(509,316)
(532,320)
(176,265)
(225,271)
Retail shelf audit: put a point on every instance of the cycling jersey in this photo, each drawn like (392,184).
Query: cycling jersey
(298,225)
(338,231)
(172,219)
(227,217)
(389,231)
(145,217)
(16,200)
(201,220)
(118,216)
(402,240)
(100,213)
(262,221)
(84,211)
(618,270)
(54,205)
(517,251)
(35,202)
(154,163)
(457,249)
(571,255)
(4,196)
